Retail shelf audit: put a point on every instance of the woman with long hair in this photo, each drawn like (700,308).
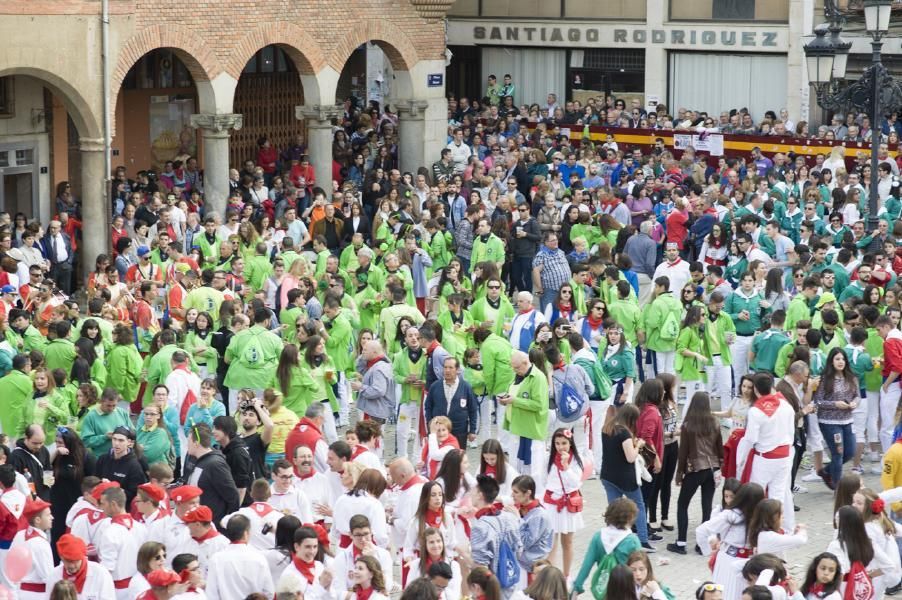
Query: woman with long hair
(650,428)
(431,513)
(433,549)
(882,532)
(289,380)
(280,556)
(700,456)
(151,556)
(71,463)
(124,363)
(455,477)
(90,329)
(48,407)
(690,361)
(647,587)
(484,585)
(775,296)
(620,450)
(199,344)
(319,375)
(154,439)
(283,421)
(836,397)
(766,533)
(494,463)
(365,487)
(727,533)
(563,497)
(853,547)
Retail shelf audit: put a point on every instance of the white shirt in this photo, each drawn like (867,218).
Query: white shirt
(521,320)
(450,390)
(349,505)
(117,548)
(292,502)
(677,272)
(765,433)
(262,515)
(98,583)
(60,243)
(88,526)
(405,503)
(343,566)
(237,571)
(38,543)
(180,384)
(315,488)
(80,505)
(204,551)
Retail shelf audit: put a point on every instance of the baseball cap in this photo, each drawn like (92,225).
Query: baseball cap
(8,289)
(143,250)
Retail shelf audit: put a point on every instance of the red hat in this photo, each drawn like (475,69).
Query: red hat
(153,491)
(162,578)
(321,534)
(185,492)
(33,508)
(71,547)
(200,514)
(102,487)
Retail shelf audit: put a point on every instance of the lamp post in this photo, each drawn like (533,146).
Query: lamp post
(875,91)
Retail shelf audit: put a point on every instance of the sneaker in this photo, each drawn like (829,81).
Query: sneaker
(654,537)
(873,457)
(654,527)
(698,550)
(876,469)
(799,489)
(676,549)
(649,549)
(811,477)
(892,591)
(667,525)
(858,470)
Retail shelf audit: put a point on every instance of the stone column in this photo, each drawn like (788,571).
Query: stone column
(412,134)
(215,130)
(319,140)
(94,206)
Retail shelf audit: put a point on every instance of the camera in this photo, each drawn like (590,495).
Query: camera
(245,405)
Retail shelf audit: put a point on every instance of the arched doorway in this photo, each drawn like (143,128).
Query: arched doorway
(268,91)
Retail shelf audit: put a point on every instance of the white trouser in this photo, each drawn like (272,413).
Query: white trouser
(773,475)
(344,399)
(889,401)
(720,383)
(537,467)
(815,440)
(486,407)
(859,420)
(408,424)
(873,416)
(329,429)
(687,389)
(664,361)
(739,350)
(645,289)
(599,409)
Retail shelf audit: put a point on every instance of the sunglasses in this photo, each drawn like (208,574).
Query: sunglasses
(494,287)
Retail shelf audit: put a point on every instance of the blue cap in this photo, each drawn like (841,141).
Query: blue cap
(142,250)
(8,289)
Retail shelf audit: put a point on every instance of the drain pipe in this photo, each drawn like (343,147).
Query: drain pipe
(105,66)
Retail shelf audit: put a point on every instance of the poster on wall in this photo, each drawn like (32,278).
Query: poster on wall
(171,134)
(703,142)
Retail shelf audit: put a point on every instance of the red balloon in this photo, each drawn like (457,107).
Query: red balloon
(18,564)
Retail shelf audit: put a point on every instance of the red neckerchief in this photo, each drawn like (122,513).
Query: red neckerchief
(412,482)
(490,511)
(434,518)
(308,476)
(816,590)
(358,450)
(559,463)
(565,308)
(211,533)
(80,576)
(432,347)
(594,323)
(491,471)
(355,552)
(676,262)
(124,519)
(526,311)
(525,508)
(769,404)
(370,364)
(561,365)
(239,542)
(363,594)
(307,569)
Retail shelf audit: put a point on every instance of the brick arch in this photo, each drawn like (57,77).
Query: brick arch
(305,52)
(400,50)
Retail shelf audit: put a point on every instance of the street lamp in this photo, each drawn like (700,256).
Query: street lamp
(875,91)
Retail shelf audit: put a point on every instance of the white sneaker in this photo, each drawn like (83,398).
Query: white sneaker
(799,489)
(873,457)
(811,476)
(876,470)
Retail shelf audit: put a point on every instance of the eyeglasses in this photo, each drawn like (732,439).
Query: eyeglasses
(712,587)
(284,477)
(565,292)
(160,557)
(523,209)
(494,287)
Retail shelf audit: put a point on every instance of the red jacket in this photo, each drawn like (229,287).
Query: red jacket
(676,227)
(266,159)
(650,427)
(305,433)
(892,353)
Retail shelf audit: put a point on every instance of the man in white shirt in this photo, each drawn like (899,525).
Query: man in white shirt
(35,537)
(407,487)
(262,515)
(674,268)
(203,540)
(286,498)
(361,544)
(238,570)
(91,580)
(460,151)
(118,544)
(523,327)
(311,484)
(764,455)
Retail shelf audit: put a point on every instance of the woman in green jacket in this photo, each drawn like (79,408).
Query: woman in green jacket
(319,375)
(153,438)
(690,361)
(87,350)
(48,407)
(199,344)
(289,379)
(124,364)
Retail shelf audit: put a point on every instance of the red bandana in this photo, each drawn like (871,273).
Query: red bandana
(527,311)
(211,533)
(525,508)
(307,569)
(124,519)
(769,404)
(370,364)
(80,576)
(594,323)
(412,482)
(489,511)
(491,471)
(363,594)
(434,518)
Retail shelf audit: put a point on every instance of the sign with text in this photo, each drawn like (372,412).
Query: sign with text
(435,79)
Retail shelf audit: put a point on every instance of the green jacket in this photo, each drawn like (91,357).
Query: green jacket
(689,368)
(596,553)
(347,260)
(99,373)
(738,302)
(402,366)
(527,415)
(288,317)
(157,445)
(321,257)
(55,414)
(482,311)
(16,390)
(159,367)
(628,315)
(491,250)
(619,365)
(124,366)
(369,306)
(202,350)
(455,337)
(853,290)
(257,269)
(496,364)
(798,310)
(340,345)
(60,354)
(297,397)
(28,340)
(389,317)
(315,385)
(860,363)
(765,347)
(874,347)
(438,251)
(96,425)
(252,356)
(655,315)
(714,339)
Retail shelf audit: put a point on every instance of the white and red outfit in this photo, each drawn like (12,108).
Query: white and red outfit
(343,566)
(237,571)
(93,582)
(13,506)
(80,507)
(889,398)
(359,503)
(184,391)
(315,488)
(407,499)
(560,486)
(117,548)
(444,522)
(87,525)
(367,457)
(34,585)
(677,272)
(292,502)
(308,574)
(306,433)
(204,547)
(434,452)
(764,454)
(452,592)
(713,254)
(263,516)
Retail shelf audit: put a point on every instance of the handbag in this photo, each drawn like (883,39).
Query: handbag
(574,498)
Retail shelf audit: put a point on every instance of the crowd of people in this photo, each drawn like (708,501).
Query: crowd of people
(279,401)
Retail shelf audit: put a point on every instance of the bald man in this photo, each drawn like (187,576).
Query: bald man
(526,416)
(409,484)
(376,392)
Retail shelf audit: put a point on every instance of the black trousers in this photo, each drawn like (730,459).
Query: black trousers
(691,483)
(801,439)
(664,483)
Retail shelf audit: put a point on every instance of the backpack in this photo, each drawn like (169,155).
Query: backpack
(603,575)
(253,352)
(600,379)
(570,405)
(670,329)
(508,570)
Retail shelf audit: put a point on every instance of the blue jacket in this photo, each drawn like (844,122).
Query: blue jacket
(464,409)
